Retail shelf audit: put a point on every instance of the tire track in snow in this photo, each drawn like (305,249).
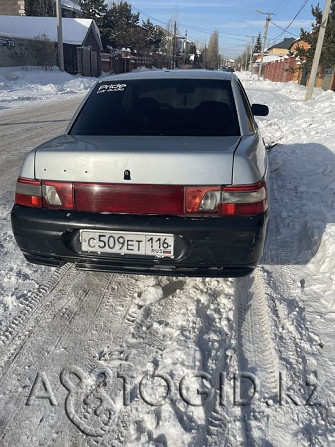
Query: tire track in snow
(35,345)
(21,131)
(107,325)
(256,349)
(113,299)
(65,334)
(224,424)
(257,354)
(94,325)
(14,332)
(297,346)
(291,245)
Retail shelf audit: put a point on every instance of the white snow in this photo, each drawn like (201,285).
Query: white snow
(283,327)
(24,27)
(270,58)
(19,87)
(71,4)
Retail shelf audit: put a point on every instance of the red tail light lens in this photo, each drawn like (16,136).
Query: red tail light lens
(244,200)
(237,200)
(28,192)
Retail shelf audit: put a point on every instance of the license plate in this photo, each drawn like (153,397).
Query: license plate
(146,244)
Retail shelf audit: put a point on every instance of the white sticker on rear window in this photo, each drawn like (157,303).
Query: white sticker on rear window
(111,88)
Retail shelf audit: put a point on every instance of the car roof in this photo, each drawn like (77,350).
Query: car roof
(171,74)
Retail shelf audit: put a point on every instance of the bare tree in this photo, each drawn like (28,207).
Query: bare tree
(40,8)
(44,52)
(37,52)
(213,56)
(170,42)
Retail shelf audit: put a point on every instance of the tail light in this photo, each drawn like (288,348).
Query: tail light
(28,192)
(58,195)
(38,194)
(237,200)
(244,200)
(202,199)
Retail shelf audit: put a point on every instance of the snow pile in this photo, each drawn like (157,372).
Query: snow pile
(18,86)
(298,265)
(295,122)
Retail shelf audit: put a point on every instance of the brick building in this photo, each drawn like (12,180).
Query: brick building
(281,48)
(12,7)
(70,8)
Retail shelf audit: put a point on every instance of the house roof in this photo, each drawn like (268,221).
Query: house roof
(268,58)
(285,44)
(71,4)
(24,27)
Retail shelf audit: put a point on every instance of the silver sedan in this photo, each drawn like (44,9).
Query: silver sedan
(159,172)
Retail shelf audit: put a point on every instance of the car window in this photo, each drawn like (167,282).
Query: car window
(247,107)
(194,107)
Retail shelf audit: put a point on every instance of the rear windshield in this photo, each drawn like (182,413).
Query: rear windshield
(189,107)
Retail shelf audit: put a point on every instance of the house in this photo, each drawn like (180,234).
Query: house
(291,68)
(70,8)
(176,46)
(281,48)
(301,75)
(325,76)
(21,36)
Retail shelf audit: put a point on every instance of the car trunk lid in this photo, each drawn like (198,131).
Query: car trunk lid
(137,160)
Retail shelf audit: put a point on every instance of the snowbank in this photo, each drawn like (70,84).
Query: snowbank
(18,86)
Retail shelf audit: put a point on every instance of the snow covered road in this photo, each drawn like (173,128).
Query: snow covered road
(21,130)
(92,359)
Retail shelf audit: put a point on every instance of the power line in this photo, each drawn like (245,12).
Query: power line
(280,6)
(147,15)
(287,32)
(235,46)
(284,31)
(194,28)
(210,32)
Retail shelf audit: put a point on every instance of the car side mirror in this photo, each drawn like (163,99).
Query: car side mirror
(260,110)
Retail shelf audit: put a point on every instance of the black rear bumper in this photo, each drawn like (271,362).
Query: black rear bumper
(211,247)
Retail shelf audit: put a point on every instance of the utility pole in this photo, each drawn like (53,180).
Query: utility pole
(60,35)
(185,47)
(174,45)
(318,50)
(267,23)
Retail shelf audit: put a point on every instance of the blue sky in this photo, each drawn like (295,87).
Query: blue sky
(233,19)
